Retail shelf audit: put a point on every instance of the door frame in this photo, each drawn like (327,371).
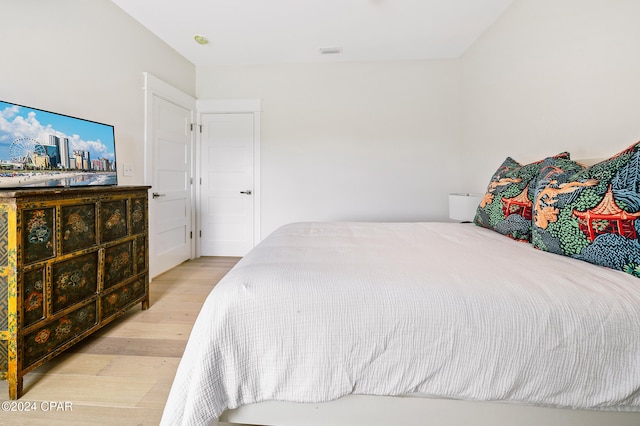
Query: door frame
(231,106)
(154,87)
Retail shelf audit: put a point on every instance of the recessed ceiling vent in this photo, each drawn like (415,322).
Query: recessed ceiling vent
(330,50)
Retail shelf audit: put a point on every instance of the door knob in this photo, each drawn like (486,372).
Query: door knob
(156,195)
(248,192)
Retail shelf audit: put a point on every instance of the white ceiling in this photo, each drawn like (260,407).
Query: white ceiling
(278,31)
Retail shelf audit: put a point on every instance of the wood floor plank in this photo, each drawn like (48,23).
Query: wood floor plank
(80,389)
(183,315)
(163,348)
(122,374)
(145,330)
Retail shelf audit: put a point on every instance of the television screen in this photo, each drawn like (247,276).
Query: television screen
(44,149)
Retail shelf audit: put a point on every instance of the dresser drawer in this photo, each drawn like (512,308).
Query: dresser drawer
(73,281)
(38,233)
(118,264)
(58,333)
(78,226)
(33,289)
(119,298)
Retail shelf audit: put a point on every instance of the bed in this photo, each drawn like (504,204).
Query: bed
(449,322)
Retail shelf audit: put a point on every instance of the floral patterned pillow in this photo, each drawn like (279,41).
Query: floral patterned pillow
(592,214)
(507,206)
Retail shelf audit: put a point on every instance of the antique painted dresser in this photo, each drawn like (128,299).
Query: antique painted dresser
(71,261)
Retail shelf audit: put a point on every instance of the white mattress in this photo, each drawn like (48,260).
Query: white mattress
(321,310)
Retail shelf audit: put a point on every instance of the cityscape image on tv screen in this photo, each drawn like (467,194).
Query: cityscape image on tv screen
(45,149)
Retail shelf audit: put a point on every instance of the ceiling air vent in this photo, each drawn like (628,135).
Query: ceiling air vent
(330,50)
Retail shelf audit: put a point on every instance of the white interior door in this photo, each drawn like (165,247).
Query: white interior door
(228,190)
(169,151)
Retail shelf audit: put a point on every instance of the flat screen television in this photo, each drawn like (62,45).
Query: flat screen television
(44,149)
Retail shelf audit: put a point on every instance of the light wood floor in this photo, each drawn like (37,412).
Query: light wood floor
(123,373)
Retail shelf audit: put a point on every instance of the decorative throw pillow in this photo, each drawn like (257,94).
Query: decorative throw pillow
(507,207)
(594,214)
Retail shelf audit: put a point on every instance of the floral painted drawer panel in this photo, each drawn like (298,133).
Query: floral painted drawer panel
(38,232)
(118,264)
(71,260)
(121,297)
(78,227)
(113,220)
(141,254)
(138,215)
(55,334)
(33,283)
(73,280)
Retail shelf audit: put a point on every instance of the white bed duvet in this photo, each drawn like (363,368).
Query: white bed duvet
(320,310)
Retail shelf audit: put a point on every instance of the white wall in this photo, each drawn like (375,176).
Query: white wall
(351,141)
(86,59)
(360,141)
(388,141)
(549,76)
